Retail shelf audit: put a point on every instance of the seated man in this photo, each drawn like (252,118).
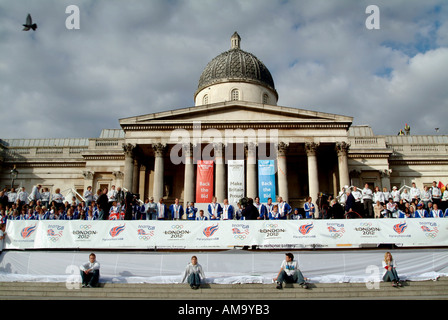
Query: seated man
(274,215)
(392,208)
(193,273)
(436,212)
(90,272)
(290,273)
(201,216)
(421,212)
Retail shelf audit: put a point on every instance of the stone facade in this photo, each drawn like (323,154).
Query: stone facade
(155,154)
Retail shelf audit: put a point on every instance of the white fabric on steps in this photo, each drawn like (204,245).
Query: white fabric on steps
(222,267)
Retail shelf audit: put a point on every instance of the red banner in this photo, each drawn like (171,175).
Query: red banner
(204,181)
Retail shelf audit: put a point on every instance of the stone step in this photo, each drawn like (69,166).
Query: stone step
(442,281)
(33,290)
(217,288)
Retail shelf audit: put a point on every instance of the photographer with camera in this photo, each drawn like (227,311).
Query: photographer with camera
(130,200)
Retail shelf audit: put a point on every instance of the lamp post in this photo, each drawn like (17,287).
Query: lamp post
(13,175)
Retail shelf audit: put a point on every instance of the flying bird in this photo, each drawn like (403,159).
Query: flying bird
(29,24)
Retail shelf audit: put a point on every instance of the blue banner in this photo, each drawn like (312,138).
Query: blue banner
(266,180)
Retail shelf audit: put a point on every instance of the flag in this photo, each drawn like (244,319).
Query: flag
(441,186)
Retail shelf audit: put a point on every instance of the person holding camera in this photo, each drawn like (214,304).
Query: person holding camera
(130,199)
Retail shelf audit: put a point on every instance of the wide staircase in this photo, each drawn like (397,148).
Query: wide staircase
(433,290)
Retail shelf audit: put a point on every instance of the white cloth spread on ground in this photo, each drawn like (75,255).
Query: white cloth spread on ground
(222,267)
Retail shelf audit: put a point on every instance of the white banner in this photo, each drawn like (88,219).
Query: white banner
(235,181)
(54,234)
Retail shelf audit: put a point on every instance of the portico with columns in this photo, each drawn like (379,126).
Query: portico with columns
(310,149)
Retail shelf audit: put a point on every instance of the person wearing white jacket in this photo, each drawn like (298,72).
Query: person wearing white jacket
(193,273)
(378,196)
(390,271)
(90,272)
(395,194)
(367,198)
(426,196)
(415,192)
(405,195)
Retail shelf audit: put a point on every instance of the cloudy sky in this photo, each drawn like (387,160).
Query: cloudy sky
(138,57)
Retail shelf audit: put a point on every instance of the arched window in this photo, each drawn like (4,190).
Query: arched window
(205,99)
(265,98)
(235,95)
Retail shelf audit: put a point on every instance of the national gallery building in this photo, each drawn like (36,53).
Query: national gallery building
(235,141)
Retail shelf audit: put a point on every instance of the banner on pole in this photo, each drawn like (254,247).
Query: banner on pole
(204,181)
(235,182)
(266,180)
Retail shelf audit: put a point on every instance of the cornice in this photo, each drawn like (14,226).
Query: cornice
(418,162)
(50,164)
(242,125)
(104,157)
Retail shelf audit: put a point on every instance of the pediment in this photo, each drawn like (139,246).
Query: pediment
(237,112)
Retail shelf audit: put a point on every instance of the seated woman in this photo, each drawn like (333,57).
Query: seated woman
(390,271)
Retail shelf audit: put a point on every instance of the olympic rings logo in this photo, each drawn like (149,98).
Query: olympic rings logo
(239,236)
(271,225)
(53,239)
(85,226)
(144,238)
(336,235)
(177,226)
(366,224)
(431,235)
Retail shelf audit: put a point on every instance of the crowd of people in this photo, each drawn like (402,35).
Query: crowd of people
(115,204)
(405,202)
(40,204)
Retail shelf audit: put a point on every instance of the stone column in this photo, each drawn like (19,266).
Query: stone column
(88,180)
(385,178)
(128,166)
(282,172)
(159,150)
(118,178)
(189,183)
(135,177)
(220,179)
(342,150)
(251,170)
(142,182)
(355,180)
(313,174)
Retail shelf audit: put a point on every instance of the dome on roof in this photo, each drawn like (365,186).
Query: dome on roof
(236,65)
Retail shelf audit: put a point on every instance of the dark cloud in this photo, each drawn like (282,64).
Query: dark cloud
(138,57)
